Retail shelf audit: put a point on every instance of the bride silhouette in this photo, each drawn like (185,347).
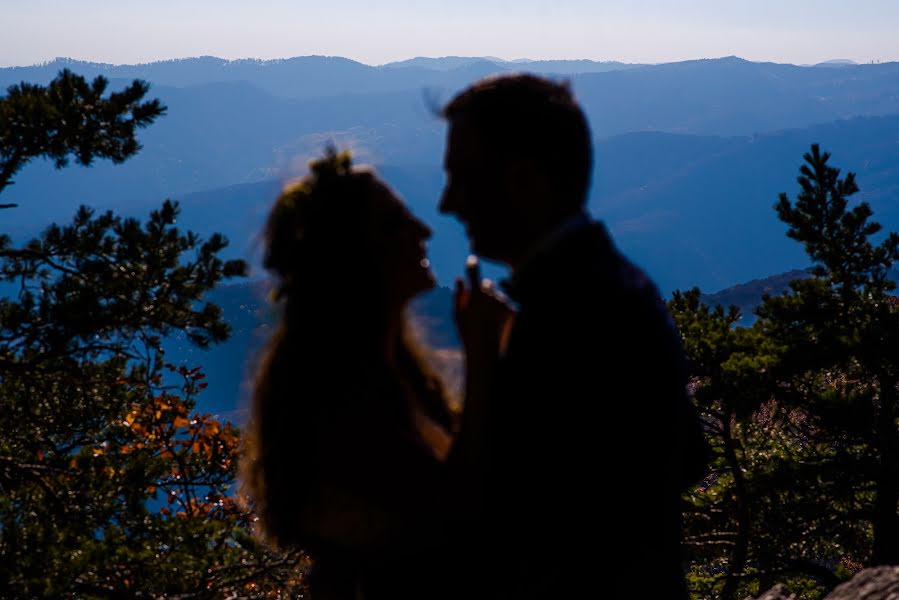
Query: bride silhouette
(349,425)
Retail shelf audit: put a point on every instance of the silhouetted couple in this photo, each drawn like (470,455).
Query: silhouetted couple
(562,476)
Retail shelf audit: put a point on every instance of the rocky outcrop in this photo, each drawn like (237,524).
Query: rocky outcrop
(879,583)
(778,592)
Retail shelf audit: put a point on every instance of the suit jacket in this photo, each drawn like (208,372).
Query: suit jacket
(592,436)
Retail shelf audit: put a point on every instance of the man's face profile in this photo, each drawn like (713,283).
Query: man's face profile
(475,191)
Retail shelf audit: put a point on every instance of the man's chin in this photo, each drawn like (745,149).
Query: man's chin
(484,251)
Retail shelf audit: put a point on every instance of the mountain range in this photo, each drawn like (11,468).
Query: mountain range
(309,76)
(689,156)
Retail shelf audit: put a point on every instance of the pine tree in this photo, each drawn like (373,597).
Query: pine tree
(111,483)
(840,332)
(71,118)
(800,408)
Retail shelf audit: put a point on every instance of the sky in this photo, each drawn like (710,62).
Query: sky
(375,32)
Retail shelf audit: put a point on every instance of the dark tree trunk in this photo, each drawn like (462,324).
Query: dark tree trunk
(740,550)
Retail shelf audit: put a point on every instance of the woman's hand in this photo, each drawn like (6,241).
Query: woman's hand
(482,315)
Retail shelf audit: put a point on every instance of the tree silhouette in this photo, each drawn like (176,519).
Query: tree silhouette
(801,408)
(71,118)
(111,484)
(840,332)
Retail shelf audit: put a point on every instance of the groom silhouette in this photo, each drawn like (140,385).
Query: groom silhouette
(590,433)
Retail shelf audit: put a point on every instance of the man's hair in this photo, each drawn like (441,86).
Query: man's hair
(525,116)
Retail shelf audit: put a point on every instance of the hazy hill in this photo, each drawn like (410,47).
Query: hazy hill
(837,62)
(305,76)
(443,63)
(221,133)
(748,296)
(699,211)
(292,77)
(570,67)
(693,210)
(727,96)
(559,67)
(731,96)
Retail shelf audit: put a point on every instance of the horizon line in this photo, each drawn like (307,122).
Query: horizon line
(835,61)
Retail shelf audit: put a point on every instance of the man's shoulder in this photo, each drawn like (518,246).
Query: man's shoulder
(586,287)
(611,294)
(591,290)
(599,269)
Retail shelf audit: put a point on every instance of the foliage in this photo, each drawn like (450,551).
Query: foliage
(840,329)
(801,409)
(71,117)
(110,483)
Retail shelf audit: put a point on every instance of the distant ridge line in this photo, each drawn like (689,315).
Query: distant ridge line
(419,61)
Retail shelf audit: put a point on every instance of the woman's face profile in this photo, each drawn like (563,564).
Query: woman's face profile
(398,247)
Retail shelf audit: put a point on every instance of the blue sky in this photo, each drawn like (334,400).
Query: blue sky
(374,32)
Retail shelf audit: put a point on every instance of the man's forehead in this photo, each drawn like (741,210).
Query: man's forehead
(464,142)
